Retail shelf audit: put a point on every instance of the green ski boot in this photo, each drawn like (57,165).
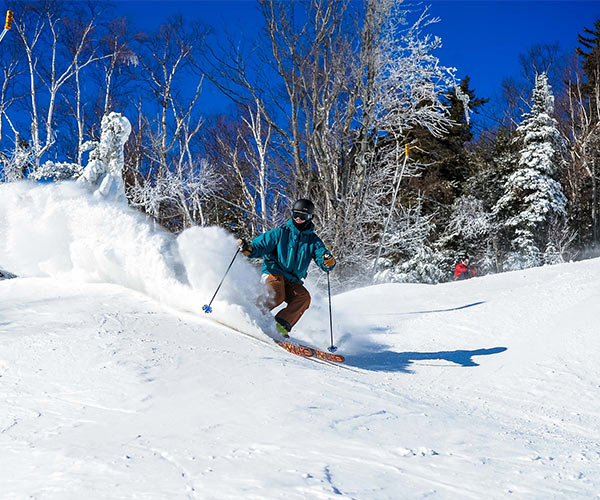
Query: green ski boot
(281,328)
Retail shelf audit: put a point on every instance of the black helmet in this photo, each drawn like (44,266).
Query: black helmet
(304,206)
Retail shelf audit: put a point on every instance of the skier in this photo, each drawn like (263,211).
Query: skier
(287,252)
(463,270)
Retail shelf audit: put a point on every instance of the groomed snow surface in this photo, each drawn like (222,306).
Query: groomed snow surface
(114,384)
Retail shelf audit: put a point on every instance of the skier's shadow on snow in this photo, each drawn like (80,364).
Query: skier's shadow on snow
(390,361)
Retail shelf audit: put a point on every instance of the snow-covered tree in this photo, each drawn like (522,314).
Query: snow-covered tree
(560,242)
(469,221)
(58,171)
(16,164)
(180,194)
(104,169)
(418,261)
(470,231)
(427,265)
(409,81)
(532,197)
(402,87)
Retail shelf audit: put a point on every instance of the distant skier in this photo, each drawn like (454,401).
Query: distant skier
(463,270)
(287,252)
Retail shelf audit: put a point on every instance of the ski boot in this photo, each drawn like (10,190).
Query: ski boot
(283,327)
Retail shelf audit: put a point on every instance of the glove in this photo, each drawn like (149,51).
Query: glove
(245,247)
(329,261)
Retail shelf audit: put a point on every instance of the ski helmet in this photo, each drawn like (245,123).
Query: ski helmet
(305,208)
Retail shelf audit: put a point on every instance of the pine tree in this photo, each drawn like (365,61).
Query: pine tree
(448,164)
(590,62)
(532,198)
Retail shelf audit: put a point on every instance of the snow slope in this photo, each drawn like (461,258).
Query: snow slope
(114,385)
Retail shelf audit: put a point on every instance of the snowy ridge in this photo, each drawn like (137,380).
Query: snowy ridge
(486,388)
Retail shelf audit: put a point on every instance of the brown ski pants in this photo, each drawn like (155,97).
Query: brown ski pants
(294,294)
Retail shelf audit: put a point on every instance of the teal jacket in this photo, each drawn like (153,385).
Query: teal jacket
(288,251)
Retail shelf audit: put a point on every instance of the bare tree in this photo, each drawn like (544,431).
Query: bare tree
(10,72)
(257,156)
(117,46)
(165,65)
(42,31)
(543,58)
(584,144)
(352,80)
(83,49)
(174,181)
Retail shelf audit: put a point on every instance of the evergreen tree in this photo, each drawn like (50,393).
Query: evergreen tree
(532,198)
(590,62)
(468,232)
(493,159)
(448,164)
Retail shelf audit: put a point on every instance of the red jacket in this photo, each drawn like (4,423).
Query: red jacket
(462,272)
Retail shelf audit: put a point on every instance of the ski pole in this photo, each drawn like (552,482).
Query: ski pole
(331,348)
(206,307)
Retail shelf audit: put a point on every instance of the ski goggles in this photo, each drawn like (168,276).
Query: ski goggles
(301,215)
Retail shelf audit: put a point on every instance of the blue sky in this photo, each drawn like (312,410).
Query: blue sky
(482,39)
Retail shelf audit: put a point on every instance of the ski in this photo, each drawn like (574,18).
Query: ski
(303,351)
(309,352)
